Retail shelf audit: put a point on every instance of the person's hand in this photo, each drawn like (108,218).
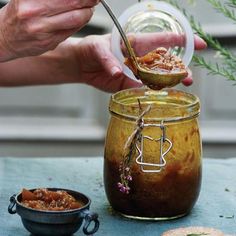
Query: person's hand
(32,27)
(98,67)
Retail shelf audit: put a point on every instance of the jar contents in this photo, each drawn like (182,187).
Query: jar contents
(46,200)
(159,60)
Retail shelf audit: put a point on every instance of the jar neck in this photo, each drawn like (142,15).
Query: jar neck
(167,105)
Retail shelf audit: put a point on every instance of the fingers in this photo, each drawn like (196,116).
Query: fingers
(54,7)
(121,83)
(117,80)
(59,37)
(48,16)
(146,42)
(106,59)
(68,20)
(188,80)
(199,43)
(114,80)
(59,6)
(112,85)
(33,27)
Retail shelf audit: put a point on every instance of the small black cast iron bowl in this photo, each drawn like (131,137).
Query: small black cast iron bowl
(56,223)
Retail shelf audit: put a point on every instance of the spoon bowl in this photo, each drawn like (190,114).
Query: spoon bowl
(157,81)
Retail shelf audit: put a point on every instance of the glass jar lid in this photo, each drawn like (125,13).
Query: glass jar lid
(154,24)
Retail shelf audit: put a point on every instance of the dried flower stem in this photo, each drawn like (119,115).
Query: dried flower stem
(129,152)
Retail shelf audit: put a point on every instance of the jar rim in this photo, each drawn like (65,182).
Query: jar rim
(168,105)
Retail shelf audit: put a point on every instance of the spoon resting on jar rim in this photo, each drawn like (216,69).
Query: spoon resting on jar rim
(153,78)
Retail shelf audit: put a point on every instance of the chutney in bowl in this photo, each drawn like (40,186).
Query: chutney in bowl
(41,218)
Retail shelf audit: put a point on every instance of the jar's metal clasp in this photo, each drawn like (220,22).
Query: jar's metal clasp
(140,147)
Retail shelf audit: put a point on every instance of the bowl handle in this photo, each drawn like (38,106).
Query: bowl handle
(12,204)
(89,218)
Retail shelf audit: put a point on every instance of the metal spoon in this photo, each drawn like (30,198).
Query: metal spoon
(152,78)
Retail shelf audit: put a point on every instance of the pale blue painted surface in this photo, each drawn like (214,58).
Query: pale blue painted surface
(86,175)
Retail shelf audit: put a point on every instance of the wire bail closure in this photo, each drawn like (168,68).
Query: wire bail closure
(156,167)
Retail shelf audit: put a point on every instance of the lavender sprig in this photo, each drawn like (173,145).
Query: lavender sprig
(129,152)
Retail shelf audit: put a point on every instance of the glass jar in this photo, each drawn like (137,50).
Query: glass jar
(165,165)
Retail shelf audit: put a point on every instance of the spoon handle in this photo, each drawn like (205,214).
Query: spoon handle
(118,26)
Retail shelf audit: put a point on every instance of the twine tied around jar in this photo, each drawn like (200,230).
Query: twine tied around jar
(135,144)
(129,151)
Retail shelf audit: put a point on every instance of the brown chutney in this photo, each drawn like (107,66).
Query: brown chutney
(46,200)
(173,191)
(159,60)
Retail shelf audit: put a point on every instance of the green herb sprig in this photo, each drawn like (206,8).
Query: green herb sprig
(227,66)
(213,69)
(224,9)
(231,3)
